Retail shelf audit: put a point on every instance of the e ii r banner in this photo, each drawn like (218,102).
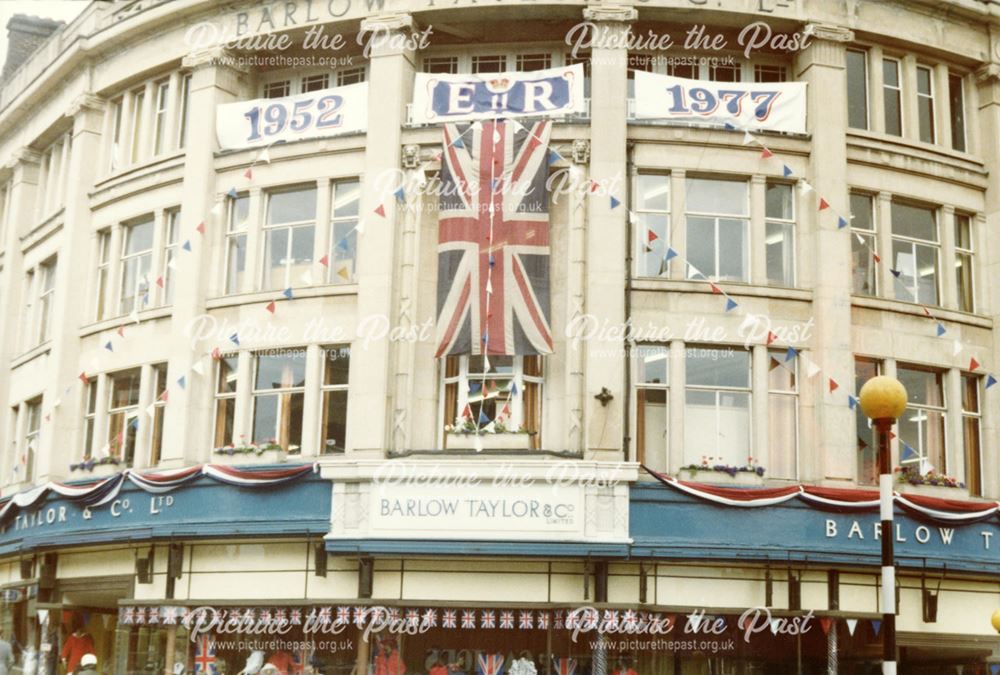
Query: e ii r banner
(775,106)
(459,98)
(265,121)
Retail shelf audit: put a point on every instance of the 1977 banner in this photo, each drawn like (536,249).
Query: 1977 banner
(454,98)
(265,121)
(776,106)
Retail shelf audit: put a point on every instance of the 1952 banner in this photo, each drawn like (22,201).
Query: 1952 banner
(456,98)
(264,121)
(775,106)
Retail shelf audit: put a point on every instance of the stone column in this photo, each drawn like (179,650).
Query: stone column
(882,206)
(948,288)
(187,431)
(758,231)
(371,371)
(678,224)
(606,244)
(822,66)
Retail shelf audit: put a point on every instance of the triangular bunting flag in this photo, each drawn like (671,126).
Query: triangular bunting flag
(109,347)
(841,223)
(186,245)
(973,364)
(248,174)
(852,402)
(325,261)
(216,354)
(852,624)
(895,273)
(766,154)
(823,204)
(748,138)
(892,436)
(400,194)
(833,385)
(805,187)
(825,623)
(786,171)
(235,339)
(159,281)
(483,418)
(198,368)
(270,307)
(771,337)
(908,452)
(940,330)
(553,157)
(650,236)
(671,254)
(994,668)
(876,257)
(457,143)
(956,348)
(232,194)
(513,388)
(380,210)
(165,396)
(182,381)
(715,289)
(287,293)
(730,304)
(615,203)
(121,331)
(201,227)
(876,626)
(83,378)
(264,156)
(790,354)
(990,381)
(466,411)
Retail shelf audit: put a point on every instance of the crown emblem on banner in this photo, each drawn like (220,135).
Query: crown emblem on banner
(499,84)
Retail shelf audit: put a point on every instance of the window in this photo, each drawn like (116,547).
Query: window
(278,89)
(489,64)
(336,364)
(921,427)
(159,410)
(857,89)
(236,242)
(441,64)
(135,115)
(344,234)
(225,400)
(779,236)
(717,229)
(52,176)
(971,429)
(46,291)
(868,469)
(504,389)
(528,62)
(123,414)
(172,225)
(925,103)
(963,262)
(863,244)
(724,72)
(26,334)
(314,82)
(89,419)
(288,236)
(783,415)
(160,117)
(103,267)
(32,431)
(687,70)
(137,261)
(652,398)
(116,135)
(717,405)
(350,76)
(768,73)
(182,123)
(278,397)
(892,93)
(956,98)
(652,230)
(914,253)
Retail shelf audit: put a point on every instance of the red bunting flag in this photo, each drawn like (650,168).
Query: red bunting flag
(270,307)
(825,623)
(83,378)
(594,185)
(121,330)
(891,436)
(771,337)
(380,210)
(248,174)
(876,257)
(766,154)
(216,354)
(715,289)
(201,227)
(159,281)
(325,261)
(833,385)
(651,236)
(823,204)
(165,395)
(973,364)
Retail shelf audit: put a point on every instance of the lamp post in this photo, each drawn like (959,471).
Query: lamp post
(883,399)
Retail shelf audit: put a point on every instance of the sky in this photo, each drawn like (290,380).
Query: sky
(61,10)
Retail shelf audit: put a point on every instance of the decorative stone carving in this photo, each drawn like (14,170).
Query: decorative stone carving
(581,151)
(617,13)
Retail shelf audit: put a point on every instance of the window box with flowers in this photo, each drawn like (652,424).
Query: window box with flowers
(717,473)
(931,484)
(253,453)
(96,468)
(464,435)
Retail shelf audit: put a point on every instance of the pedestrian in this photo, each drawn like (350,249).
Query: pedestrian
(77,644)
(88,665)
(6,655)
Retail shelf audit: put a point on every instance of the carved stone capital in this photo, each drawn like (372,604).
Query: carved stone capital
(615,13)
(218,57)
(85,102)
(829,32)
(988,73)
(388,23)
(24,155)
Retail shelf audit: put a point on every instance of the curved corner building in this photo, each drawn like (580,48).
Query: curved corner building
(228,266)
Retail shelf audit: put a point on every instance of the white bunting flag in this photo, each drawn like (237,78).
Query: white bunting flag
(852,624)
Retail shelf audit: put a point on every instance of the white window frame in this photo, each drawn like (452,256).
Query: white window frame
(135,136)
(161,91)
(969,254)
(291,226)
(920,445)
(928,96)
(976,415)
(128,412)
(231,396)
(280,392)
(46,286)
(325,389)
(790,243)
(871,237)
(965,118)
(867,102)
(913,243)
(651,386)
(899,93)
(103,278)
(793,393)
(184,100)
(716,217)
(640,236)
(333,274)
(125,258)
(236,232)
(516,403)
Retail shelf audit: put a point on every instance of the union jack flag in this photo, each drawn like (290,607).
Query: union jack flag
(280,615)
(412,617)
(448,618)
(543,620)
(489,664)
(128,615)
(265,615)
(359,616)
(204,656)
(295,616)
(140,615)
(468,618)
(566,666)
(493,240)
(488,619)
(630,619)
(558,624)
(249,614)
(506,619)
(431,617)
(527,620)
(154,615)
(170,615)
(394,614)
(611,617)
(343,615)
(325,615)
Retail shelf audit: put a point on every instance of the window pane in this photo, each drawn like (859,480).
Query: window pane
(927,287)
(864,370)
(225,416)
(923,387)
(717,196)
(280,371)
(711,367)
(139,237)
(923,431)
(780,373)
(857,89)
(700,426)
(652,428)
(125,389)
(302,247)
(653,192)
(963,231)
(345,251)
(652,254)
(334,421)
(701,244)
(346,199)
(957,99)
(890,78)
(236,263)
(973,455)
(291,206)
(890,73)
(227,375)
(970,393)
(502,365)
(862,212)
(778,201)
(652,362)
(734,428)
(780,246)
(963,274)
(916,222)
(863,264)
(265,418)
(338,361)
(275,256)
(239,211)
(733,250)
(925,117)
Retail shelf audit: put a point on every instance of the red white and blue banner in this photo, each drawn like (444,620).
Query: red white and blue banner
(456,98)
(493,240)
(266,121)
(774,106)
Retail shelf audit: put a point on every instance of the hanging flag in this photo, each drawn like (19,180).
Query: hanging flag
(201,227)
(217,354)
(614,203)
(553,157)
(852,402)
(825,623)
(204,656)
(109,347)
(325,261)
(159,281)
(771,337)
(483,417)
(513,388)
(264,156)
(671,254)
(766,154)
(956,347)
(786,170)
(990,381)
(519,227)
(235,339)
(715,289)
(488,664)
(823,204)
(790,354)
(851,625)
(467,412)
(730,304)
(83,378)
(805,187)
(232,194)
(400,194)
(186,245)
(287,293)
(833,385)
(248,174)
(380,210)
(182,381)
(270,307)
(812,370)
(121,330)
(895,272)
(876,626)
(909,452)
(841,222)
(973,364)
(876,257)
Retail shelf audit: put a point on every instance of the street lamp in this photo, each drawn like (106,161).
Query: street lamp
(883,399)
(996,620)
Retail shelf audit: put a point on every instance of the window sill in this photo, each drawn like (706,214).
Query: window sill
(562,454)
(735,288)
(239,299)
(31,354)
(913,309)
(140,169)
(43,230)
(871,140)
(123,319)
